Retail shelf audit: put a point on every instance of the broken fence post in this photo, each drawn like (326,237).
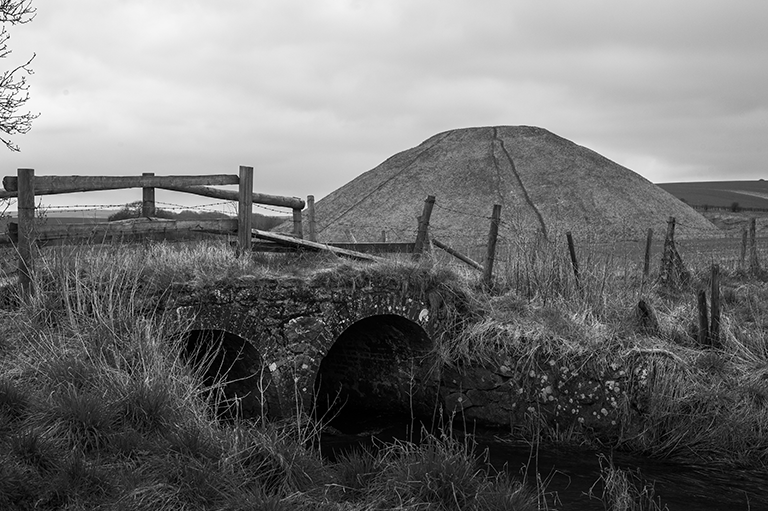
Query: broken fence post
(647,258)
(572,252)
(421,234)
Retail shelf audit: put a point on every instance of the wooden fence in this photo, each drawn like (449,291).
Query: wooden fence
(26,232)
(359,250)
(25,186)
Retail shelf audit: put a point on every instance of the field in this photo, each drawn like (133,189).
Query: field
(721,194)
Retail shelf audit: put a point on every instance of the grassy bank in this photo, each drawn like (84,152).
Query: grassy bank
(682,400)
(97,408)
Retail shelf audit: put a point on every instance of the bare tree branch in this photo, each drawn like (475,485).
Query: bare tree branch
(16,11)
(14,89)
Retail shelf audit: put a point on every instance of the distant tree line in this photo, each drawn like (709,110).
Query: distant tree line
(735,207)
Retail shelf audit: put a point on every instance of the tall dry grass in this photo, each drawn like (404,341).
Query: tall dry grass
(98,408)
(701,403)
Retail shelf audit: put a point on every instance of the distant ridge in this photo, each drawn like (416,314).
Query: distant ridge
(721,194)
(546,185)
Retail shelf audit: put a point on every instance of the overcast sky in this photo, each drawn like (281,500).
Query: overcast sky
(314,93)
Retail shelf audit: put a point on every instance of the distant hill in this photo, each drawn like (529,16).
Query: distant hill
(721,194)
(545,184)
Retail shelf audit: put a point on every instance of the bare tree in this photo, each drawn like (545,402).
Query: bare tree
(13,84)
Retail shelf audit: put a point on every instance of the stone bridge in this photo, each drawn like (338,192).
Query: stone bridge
(282,344)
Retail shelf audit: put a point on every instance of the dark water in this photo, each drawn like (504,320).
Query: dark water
(569,474)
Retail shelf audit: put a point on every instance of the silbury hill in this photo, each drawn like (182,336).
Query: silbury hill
(546,185)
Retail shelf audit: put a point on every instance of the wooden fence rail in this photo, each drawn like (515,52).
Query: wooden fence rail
(25,232)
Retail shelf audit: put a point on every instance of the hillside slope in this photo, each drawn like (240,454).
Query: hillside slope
(545,184)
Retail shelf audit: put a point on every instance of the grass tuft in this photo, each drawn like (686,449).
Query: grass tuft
(83,420)
(14,404)
(32,449)
(625,490)
(148,406)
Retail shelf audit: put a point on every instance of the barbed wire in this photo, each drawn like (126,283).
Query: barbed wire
(274,210)
(170,205)
(100,207)
(79,207)
(473,215)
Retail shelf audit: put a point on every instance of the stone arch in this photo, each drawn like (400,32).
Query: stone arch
(378,364)
(293,327)
(233,365)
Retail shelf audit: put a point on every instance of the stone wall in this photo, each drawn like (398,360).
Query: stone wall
(608,401)
(294,322)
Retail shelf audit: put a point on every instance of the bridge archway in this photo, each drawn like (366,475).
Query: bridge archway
(378,365)
(234,372)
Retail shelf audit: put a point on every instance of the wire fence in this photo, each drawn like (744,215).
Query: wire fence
(516,237)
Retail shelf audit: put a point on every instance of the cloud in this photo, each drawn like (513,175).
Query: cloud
(313,93)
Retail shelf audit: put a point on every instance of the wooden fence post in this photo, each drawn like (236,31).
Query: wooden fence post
(421,235)
(298,230)
(311,217)
(673,272)
(245,211)
(714,329)
(148,199)
(490,255)
(647,259)
(572,252)
(754,263)
(743,258)
(703,337)
(26,217)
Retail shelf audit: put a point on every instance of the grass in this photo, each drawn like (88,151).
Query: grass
(656,390)
(625,490)
(97,407)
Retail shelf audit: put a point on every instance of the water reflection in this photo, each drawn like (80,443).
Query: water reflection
(570,474)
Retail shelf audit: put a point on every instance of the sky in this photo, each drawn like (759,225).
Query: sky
(314,93)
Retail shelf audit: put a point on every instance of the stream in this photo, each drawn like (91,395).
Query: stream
(569,474)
